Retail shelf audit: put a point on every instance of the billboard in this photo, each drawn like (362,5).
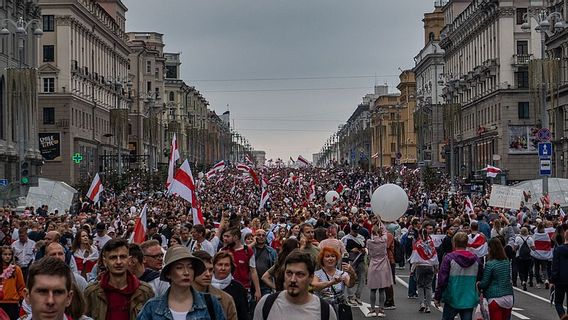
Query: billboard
(523,139)
(50,146)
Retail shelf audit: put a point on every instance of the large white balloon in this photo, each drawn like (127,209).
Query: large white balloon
(200,175)
(331,197)
(389,202)
(354,210)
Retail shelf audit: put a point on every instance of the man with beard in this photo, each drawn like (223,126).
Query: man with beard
(295,302)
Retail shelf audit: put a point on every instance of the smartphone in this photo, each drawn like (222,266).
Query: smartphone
(345,258)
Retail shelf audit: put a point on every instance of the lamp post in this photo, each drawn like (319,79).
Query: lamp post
(150,99)
(21,31)
(118,84)
(544,27)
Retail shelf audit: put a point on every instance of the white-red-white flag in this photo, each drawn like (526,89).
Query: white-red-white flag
(312,194)
(303,161)
(340,188)
(492,171)
(95,189)
(196,210)
(248,160)
(468,205)
(140,227)
(265,195)
(174,156)
(183,184)
(375,156)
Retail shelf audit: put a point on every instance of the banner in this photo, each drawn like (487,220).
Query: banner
(50,146)
(523,139)
(505,197)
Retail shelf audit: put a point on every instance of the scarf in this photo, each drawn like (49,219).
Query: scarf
(221,284)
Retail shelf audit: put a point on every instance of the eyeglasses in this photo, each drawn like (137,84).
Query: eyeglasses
(155,256)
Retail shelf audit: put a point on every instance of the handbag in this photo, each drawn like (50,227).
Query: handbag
(342,309)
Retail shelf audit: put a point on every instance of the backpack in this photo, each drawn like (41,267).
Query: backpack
(271,298)
(524,251)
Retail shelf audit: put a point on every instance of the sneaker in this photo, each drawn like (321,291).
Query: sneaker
(538,285)
(422,308)
(524,286)
(358,301)
(413,297)
(371,314)
(381,313)
(351,302)
(390,307)
(427,310)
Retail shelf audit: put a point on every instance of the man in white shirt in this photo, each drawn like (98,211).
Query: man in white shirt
(101,238)
(24,250)
(199,242)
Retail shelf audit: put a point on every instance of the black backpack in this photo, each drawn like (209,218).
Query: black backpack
(524,251)
(324,306)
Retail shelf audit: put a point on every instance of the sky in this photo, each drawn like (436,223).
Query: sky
(289,71)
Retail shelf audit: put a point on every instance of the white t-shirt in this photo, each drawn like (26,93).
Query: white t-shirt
(519,243)
(100,242)
(282,309)
(178,315)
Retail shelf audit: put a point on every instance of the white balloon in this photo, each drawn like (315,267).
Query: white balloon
(291,174)
(200,175)
(389,201)
(331,197)
(354,210)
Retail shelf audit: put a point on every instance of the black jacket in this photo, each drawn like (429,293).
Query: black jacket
(239,294)
(559,265)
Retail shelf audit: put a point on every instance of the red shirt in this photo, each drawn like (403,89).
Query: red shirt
(242,265)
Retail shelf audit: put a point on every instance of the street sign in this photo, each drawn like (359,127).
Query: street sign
(544,135)
(545,167)
(3,182)
(545,150)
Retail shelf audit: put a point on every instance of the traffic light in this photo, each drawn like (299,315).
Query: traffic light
(25,173)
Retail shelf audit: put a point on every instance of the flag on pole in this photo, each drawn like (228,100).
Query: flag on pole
(248,160)
(218,167)
(264,195)
(183,184)
(174,156)
(303,161)
(196,210)
(312,194)
(95,189)
(492,171)
(468,205)
(340,188)
(140,227)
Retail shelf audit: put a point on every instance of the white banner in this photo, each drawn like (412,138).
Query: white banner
(505,197)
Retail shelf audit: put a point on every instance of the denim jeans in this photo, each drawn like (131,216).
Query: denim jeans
(449,313)
(412,287)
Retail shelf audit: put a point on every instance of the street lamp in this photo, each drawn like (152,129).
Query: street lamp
(118,84)
(21,31)
(449,81)
(150,100)
(543,18)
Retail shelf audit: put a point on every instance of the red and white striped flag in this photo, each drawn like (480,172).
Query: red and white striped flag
(303,161)
(375,156)
(264,195)
(95,189)
(218,167)
(424,251)
(312,194)
(543,246)
(140,227)
(196,210)
(468,205)
(248,160)
(174,156)
(340,188)
(492,171)
(183,184)
(477,245)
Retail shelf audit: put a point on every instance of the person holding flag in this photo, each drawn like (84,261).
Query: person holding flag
(424,261)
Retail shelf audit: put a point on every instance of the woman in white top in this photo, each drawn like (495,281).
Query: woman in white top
(85,254)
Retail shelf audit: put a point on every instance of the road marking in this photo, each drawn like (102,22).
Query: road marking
(516,314)
(536,296)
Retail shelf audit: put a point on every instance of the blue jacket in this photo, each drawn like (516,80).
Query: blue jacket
(157,308)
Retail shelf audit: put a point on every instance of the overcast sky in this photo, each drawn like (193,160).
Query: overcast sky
(291,71)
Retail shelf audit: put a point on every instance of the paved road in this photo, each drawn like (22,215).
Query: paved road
(533,304)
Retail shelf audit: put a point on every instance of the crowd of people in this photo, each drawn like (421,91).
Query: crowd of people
(298,257)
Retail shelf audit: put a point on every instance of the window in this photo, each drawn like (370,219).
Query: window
(149,86)
(523,110)
(171,72)
(520,15)
(171,96)
(48,115)
(49,53)
(522,47)
(157,73)
(48,23)
(148,66)
(522,79)
(49,85)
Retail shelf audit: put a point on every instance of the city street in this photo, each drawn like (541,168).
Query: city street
(533,304)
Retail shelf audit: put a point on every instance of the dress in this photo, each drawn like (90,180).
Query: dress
(380,273)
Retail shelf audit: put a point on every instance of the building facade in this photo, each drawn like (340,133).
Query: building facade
(429,66)
(486,55)
(146,124)
(19,143)
(84,88)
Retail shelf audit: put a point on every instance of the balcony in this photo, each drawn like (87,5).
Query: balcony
(522,59)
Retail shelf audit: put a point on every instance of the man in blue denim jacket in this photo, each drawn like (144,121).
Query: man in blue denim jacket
(181,300)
